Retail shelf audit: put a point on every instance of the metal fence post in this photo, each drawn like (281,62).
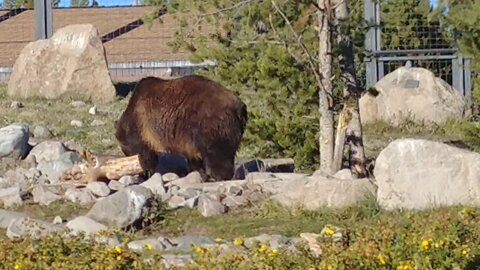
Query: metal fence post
(43,19)
(457,73)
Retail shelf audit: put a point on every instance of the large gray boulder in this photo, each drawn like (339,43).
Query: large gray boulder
(412,94)
(71,62)
(321,190)
(422,174)
(123,208)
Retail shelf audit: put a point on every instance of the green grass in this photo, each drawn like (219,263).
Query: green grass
(57,114)
(396,235)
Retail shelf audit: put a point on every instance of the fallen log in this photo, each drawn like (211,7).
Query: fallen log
(103,168)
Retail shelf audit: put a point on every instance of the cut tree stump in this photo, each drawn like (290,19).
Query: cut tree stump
(103,168)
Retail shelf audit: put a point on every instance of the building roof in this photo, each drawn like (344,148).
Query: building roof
(139,44)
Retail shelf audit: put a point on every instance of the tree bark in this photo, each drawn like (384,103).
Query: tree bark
(354,133)
(326,140)
(112,168)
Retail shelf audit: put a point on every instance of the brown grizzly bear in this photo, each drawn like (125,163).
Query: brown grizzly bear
(191,116)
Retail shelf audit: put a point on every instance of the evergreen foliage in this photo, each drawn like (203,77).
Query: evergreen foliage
(257,54)
(463,17)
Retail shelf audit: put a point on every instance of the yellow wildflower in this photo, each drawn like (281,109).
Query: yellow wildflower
(425,244)
(273,253)
(18,266)
(238,242)
(404,266)
(118,249)
(200,250)
(329,231)
(381,259)
(148,246)
(262,248)
(439,244)
(119,258)
(218,240)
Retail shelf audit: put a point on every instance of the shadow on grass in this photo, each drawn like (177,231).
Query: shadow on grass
(474,264)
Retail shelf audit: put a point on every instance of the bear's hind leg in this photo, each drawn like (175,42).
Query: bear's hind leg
(148,161)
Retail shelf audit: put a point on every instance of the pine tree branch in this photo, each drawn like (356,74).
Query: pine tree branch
(300,42)
(237,5)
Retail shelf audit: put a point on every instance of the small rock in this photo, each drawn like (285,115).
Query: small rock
(10,196)
(93,110)
(129,180)
(48,151)
(185,242)
(6,217)
(122,208)
(86,225)
(115,185)
(155,184)
(273,240)
(210,207)
(168,177)
(54,169)
(16,105)
(189,203)
(57,220)
(28,227)
(97,123)
(80,196)
(178,261)
(99,189)
(71,157)
(77,103)
(140,245)
(14,141)
(76,123)
(41,132)
(189,193)
(45,195)
(235,190)
(235,201)
(192,178)
(176,201)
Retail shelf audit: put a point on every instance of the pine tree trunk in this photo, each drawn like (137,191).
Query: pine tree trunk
(354,134)
(327,129)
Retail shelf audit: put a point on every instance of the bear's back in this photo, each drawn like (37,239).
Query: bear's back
(197,91)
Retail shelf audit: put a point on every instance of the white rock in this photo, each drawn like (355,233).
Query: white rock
(122,208)
(209,206)
(167,177)
(6,217)
(99,189)
(420,174)
(28,227)
(48,151)
(318,191)
(80,196)
(10,196)
(93,110)
(155,184)
(191,178)
(76,123)
(86,225)
(14,141)
(45,195)
(433,101)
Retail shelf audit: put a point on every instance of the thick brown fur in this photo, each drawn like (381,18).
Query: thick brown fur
(190,116)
